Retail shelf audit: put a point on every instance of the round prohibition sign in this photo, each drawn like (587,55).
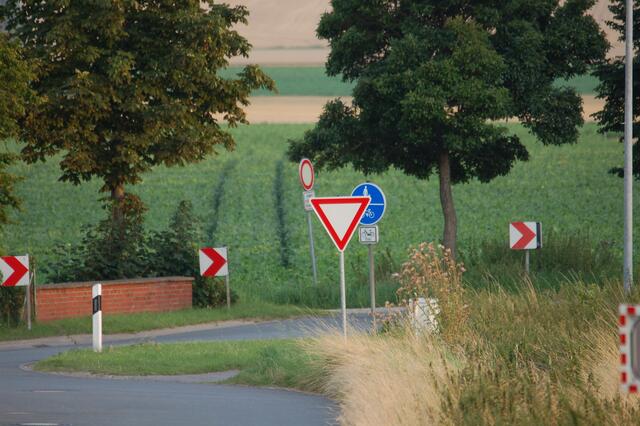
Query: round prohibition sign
(305,171)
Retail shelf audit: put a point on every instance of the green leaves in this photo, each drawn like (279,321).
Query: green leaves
(131,85)
(431,76)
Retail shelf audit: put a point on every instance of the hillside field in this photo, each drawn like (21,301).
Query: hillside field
(567,188)
(313,81)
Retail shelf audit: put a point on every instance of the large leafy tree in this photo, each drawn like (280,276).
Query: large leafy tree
(15,76)
(131,84)
(611,88)
(433,76)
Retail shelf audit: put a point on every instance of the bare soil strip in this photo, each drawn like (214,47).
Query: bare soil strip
(307,109)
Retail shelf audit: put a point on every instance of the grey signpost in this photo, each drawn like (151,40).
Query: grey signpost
(368,233)
(307,179)
(628,151)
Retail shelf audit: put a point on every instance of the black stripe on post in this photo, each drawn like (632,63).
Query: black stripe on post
(539,234)
(97,304)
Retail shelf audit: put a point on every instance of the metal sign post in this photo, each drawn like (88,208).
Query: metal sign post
(307,179)
(340,217)
(369,234)
(308,195)
(29,301)
(96,302)
(628,149)
(343,296)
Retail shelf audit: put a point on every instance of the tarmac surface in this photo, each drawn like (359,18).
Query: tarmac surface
(33,398)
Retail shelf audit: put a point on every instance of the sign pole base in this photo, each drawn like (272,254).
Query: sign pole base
(343,297)
(226,279)
(526,262)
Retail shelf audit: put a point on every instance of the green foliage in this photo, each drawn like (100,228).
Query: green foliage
(15,75)
(611,73)
(131,84)
(566,188)
(432,77)
(211,292)
(176,248)
(281,220)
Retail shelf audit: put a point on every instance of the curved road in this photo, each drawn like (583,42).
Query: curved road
(32,398)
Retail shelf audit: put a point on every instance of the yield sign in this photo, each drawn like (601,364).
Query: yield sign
(340,216)
(213,262)
(525,235)
(15,271)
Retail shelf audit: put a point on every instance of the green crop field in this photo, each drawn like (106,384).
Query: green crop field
(313,81)
(567,188)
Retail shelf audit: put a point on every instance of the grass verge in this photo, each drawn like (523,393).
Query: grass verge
(282,363)
(132,323)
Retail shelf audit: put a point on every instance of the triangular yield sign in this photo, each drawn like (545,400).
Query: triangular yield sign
(340,216)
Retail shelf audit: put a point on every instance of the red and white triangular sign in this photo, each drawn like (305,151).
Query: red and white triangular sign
(340,216)
(213,262)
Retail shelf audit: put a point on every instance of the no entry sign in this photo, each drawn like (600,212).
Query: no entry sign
(305,171)
(213,262)
(525,235)
(15,271)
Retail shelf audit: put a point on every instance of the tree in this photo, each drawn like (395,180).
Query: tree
(15,76)
(128,85)
(433,76)
(611,88)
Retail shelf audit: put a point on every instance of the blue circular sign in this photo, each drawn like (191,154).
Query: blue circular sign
(375,211)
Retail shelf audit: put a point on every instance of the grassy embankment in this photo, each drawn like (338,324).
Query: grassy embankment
(525,357)
(133,323)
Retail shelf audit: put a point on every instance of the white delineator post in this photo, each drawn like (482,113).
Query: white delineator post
(96,300)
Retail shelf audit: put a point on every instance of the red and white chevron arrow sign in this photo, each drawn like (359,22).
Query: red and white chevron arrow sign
(213,262)
(15,271)
(525,235)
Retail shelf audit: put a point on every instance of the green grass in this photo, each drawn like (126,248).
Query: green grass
(132,323)
(261,362)
(313,81)
(300,81)
(566,188)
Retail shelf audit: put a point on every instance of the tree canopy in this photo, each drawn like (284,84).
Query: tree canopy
(15,76)
(432,77)
(611,88)
(128,85)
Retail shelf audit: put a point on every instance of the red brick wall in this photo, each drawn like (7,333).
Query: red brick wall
(68,300)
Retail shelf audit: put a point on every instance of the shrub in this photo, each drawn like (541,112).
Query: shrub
(211,292)
(117,247)
(431,272)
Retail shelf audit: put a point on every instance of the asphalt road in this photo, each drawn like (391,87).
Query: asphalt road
(33,398)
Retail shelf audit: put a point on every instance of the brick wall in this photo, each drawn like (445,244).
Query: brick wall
(68,300)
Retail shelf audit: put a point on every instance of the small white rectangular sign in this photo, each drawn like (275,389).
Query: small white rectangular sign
(368,234)
(307,196)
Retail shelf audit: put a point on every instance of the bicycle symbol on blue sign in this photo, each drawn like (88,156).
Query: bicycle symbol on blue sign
(375,211)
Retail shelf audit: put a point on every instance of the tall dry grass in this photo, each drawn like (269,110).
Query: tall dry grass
(386,380)
(524,357)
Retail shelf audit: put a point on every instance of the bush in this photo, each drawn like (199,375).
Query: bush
(211,292)
(115,248)
(176,249)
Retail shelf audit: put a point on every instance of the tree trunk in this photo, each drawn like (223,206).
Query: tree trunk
(446,200)
(117,197)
